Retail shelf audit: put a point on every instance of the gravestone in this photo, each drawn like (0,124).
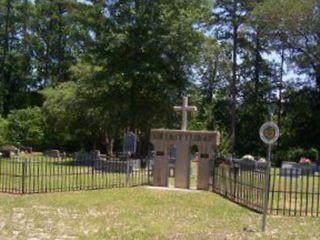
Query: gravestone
(26,149)
(308,169)
(6,154)
(247,164)
(162,139)
(9,151)
(87,156)
(135,164)
(130,143)
(52,153)
(289,169)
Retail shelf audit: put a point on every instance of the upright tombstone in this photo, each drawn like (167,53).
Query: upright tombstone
(162,139)
(52,153)
(290,169)
(130,143)
(9,151)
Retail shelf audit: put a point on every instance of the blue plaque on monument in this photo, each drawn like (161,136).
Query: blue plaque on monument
(130,143)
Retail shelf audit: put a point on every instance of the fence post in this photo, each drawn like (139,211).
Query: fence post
(213,173)
(267,190)
(148,170)
(23,176)
(92,172)
(128,169)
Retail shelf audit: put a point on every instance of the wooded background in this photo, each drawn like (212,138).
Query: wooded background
(77,74)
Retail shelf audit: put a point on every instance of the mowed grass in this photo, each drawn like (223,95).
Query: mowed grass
(140,213)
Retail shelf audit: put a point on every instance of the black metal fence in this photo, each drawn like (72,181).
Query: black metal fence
(292,192)
(43,174)
(242,183)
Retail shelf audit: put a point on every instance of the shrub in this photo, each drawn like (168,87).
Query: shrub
(26,127)
(312,154)
(279,156)
(3,131)
(298,153)
(295,154)
(224,146)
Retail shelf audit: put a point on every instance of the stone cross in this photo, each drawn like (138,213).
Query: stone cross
(185,109)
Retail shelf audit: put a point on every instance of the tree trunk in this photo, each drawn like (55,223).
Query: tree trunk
(25,23)
(257,67)
(5,74)
(280,87)
(60,45)
(6,31)
(109,144)
(110,148)
(233,85)
(94,145)
(257,73)
(318,78)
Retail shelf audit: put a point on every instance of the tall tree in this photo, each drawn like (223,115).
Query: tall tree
(299,21)
(15,54)
(139,62)
(54,41)
(229,15)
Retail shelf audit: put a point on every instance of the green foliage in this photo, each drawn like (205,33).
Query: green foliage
(312,154)
(224,147)
(3,131)
(26,127)
(296,153)
(64,117)
(301,127)
(105,66)
(295,24)
(279,156)
(146,66)
(15,57)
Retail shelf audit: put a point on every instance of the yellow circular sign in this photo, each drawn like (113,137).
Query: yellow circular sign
(269,132)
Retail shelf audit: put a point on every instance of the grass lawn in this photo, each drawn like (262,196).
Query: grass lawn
(139,213)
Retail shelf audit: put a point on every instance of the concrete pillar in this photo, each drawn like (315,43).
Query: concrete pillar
(161,170)
(182,170)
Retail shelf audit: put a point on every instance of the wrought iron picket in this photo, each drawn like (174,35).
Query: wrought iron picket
(43,174)
(292,192)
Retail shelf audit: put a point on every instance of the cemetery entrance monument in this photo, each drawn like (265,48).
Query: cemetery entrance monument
(163,139)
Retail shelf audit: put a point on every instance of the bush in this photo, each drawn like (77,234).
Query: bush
(3,131)
(278,157)
(26,127)
(224,146)
(312,154)
(296,154)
